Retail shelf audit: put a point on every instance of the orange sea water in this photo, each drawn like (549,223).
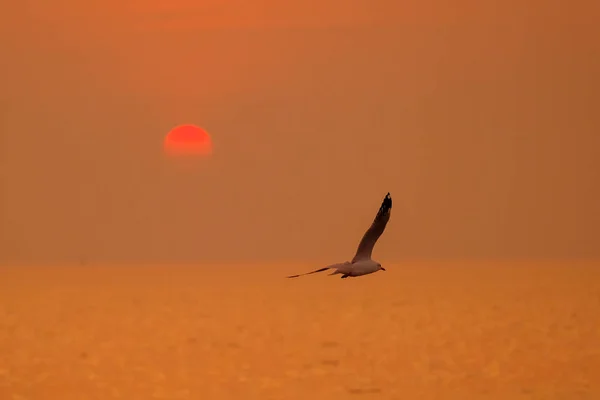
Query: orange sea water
(417,331)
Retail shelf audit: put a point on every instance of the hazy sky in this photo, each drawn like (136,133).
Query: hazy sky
(481,119)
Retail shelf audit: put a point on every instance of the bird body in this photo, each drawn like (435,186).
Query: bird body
(362,264)
(358,268)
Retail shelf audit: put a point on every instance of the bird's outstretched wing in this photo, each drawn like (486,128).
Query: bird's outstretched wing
(308,273)
(340,266)
(365,248)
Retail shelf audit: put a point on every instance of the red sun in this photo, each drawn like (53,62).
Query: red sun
(188,140)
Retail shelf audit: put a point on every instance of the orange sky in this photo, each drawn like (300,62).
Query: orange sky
(479,118)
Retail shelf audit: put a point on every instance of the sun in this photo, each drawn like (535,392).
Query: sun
(188,140)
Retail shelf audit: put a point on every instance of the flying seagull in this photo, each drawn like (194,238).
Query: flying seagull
(362,264)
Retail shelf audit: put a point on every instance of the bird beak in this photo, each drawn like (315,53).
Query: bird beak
(383,269)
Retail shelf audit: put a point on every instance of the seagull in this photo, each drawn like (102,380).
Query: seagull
(362,264)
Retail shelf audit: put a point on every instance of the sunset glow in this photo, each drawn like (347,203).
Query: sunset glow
(188,140)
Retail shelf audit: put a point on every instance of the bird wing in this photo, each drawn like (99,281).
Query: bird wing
(365,247)
(333,266)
